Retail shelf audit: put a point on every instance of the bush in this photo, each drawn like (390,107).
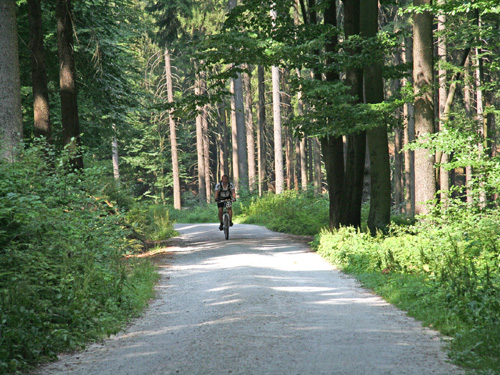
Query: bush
(64,280)
(445,270)
(291,212)
(151,221)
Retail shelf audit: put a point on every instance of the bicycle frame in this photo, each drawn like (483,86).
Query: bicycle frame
(225,217)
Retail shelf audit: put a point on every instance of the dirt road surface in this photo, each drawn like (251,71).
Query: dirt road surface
(262,304)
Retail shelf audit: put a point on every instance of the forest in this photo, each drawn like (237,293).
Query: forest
(368,124)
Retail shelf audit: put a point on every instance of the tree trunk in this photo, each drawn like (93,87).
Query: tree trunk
(332,147)
(41,106)
(444,175)
(409,137)
(278,143)
(11,124)
(356,143)
(240,134)
(67,81)
(261,131)
(202,190)
(333,156)
(249,131)
(173,136)
(206,153)
(380,196)
(302,142)
(222,141)
(116,164)
(425,186)
(316,161)
(234,139)
(296,178)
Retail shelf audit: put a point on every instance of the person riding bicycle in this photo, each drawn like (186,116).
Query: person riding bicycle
(223,190)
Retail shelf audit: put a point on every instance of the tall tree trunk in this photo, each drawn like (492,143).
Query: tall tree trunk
(480,105)
(425,185)
(302,143)
(380,196)
(41,106)
(296,175)
(261,131)
(173,135)
(234,139)
(316,165)
(11,124)
(356,143)
(278,143)
(249,131)
(444,175)
(116,163)
(206,153)
(398,146)
(241,134)
(409,137)
(222,141)
(333,146)
(202,189)
(67,81)
(468,111)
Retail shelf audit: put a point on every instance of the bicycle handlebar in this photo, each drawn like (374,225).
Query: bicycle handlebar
(225,199)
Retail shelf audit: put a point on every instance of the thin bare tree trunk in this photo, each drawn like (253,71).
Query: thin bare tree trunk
(409,137)
(202,190)
(206,154)
(278,143)
(480,106)
(302,143)
(222,142)
(261,132)
(11,123)
(234,139)
(116,164)
(444,175)
(240,133)
(468,111)
(316,160)
(41,106)
(296,180)
(249,131)
(173,134)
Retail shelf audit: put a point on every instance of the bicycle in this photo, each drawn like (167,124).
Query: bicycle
(228,202)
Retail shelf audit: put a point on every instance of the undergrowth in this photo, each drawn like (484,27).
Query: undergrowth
(293,212)
(64,280)
(444,271)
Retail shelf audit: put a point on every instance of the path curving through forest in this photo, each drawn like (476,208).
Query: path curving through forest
(260,304)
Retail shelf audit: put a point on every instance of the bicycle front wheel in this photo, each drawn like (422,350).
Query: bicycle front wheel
(226,226)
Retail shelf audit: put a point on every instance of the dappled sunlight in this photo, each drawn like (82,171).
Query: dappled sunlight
(262,299)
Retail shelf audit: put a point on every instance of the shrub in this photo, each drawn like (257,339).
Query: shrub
(63,279)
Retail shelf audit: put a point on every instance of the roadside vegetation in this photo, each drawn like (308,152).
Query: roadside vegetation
(64,280)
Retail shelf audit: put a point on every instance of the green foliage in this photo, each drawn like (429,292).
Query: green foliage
(198,213)
(151,221)
(443,270)
(291,212)
(64,280)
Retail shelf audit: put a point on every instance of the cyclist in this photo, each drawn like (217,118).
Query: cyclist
(223,190)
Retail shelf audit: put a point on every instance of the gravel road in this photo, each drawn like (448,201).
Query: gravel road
(259,304)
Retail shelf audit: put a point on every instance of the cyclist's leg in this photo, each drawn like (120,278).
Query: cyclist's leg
(220,213)
(230,212)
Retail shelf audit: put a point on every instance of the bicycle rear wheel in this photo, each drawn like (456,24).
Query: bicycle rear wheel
(226,226)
